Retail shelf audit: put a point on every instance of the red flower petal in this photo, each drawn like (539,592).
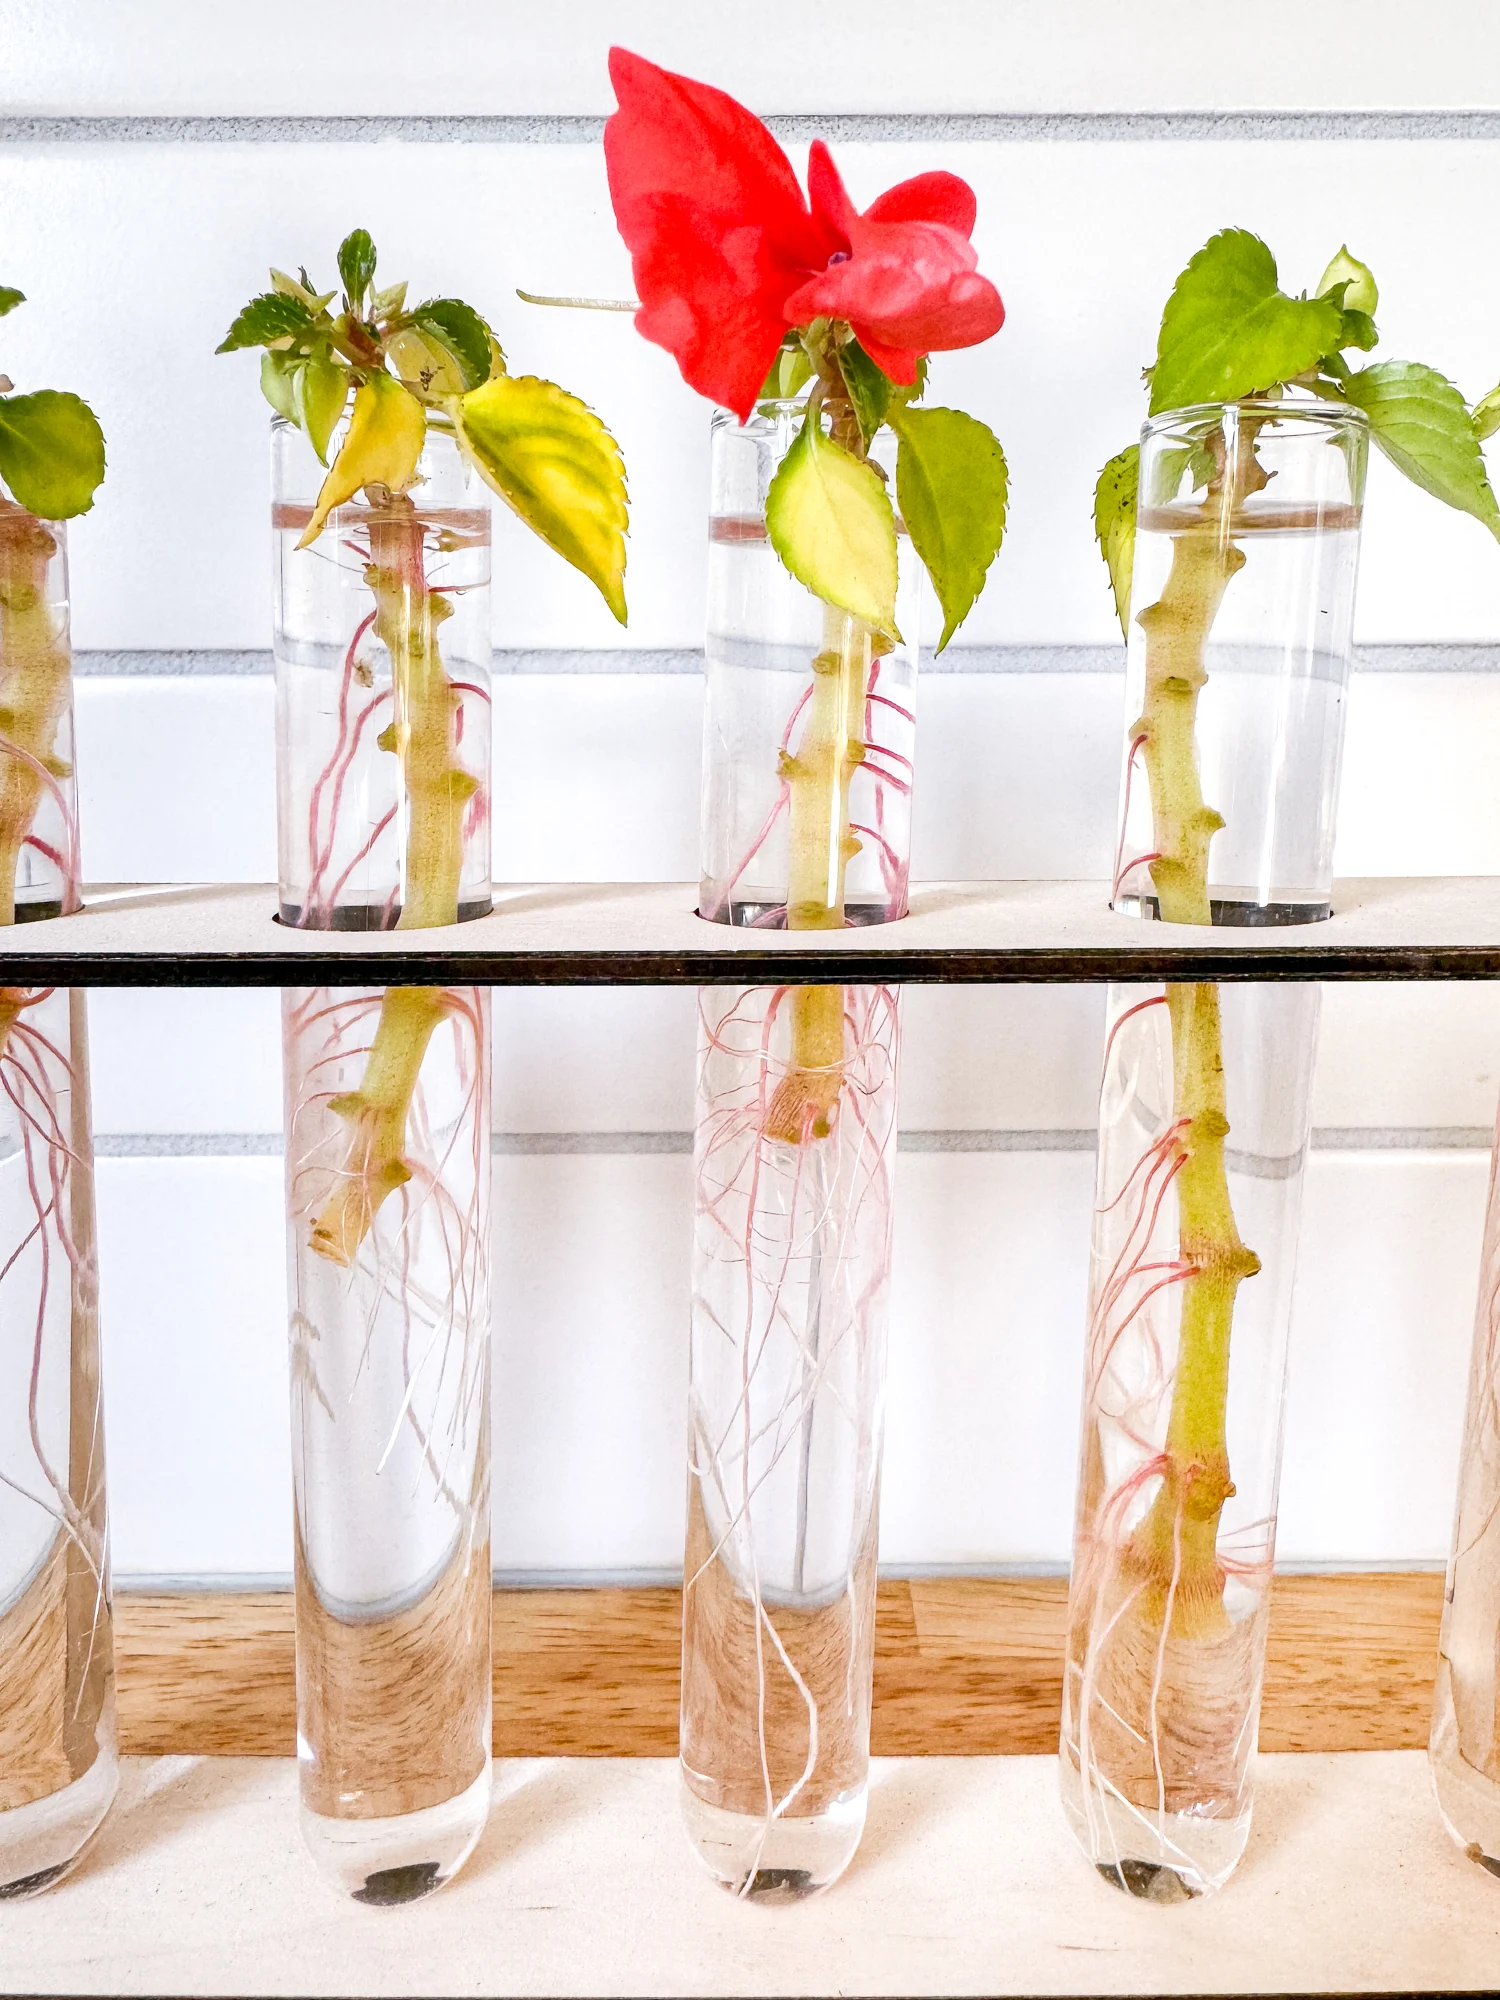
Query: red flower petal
(935,197)
(907,285)
(830,198)
(715,222)
(900,363)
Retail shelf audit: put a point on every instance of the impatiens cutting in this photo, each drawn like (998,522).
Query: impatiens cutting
(1231,534)
(392,420)
(810,323)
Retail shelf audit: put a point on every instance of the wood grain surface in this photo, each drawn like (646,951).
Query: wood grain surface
(963,1667)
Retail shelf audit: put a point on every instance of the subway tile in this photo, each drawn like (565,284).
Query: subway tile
(1392,1056)
(193,1311)
(166,56)
(591,1279)
(592,1289)
(989,1290)
(185,1060)
(1381,1326)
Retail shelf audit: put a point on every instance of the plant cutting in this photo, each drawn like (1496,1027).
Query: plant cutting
(393,424)
(1231,535)
(809,322)
(58,1763)
(1465,1743)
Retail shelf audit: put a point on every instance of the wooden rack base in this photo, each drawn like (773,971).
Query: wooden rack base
(963,1666)
(646,934)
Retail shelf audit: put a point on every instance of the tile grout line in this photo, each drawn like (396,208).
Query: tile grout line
(889,127)
(543,1145)
(231,662)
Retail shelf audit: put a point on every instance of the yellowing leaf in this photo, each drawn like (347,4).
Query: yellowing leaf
(550,459)
(320,389)
(387,429)
(423,365)
(830,520)
(1114,525)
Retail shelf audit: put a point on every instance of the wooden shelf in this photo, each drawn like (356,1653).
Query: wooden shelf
(967,1881)
(646,934)
(964,1666)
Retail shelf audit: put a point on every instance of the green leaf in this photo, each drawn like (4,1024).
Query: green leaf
(1228,331)
(788,372)
(1422,424)
(10,298)
(869,389)
(387,430)
(270,317)
(1360,294)
(276,383)
(320,389)
(1114,525)
(1487,414)
(830,520)
(461,334)
(356,266)
(51,453)
(1358,330)
(549,458)
(912,392)
(952,484)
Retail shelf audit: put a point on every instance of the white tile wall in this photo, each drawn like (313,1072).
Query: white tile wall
(174,554)
(1083,225)
(590,1359)
(598,776)
(502,56)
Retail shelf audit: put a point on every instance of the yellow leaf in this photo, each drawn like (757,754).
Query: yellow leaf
(423,366)
(830,520)
(549,458)
(387,429)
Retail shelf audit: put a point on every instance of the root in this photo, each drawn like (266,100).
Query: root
(792,1250)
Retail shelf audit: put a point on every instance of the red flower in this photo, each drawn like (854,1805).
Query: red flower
(727,254)
(906,280)
(716,225)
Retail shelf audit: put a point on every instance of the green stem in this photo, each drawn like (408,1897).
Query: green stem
(35,685)
(426,706)
(423,736)
(829,751)
(1175,1546)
